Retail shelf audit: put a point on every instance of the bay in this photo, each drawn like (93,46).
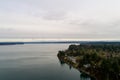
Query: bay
(35,62)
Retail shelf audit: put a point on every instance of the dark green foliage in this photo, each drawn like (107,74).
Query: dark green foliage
(61,53)
(102,58)
(73,47)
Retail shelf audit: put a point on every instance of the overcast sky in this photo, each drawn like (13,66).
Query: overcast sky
(75,19)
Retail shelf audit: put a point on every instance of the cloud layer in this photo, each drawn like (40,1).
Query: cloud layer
(81,19)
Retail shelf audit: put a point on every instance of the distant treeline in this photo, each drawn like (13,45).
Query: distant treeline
(59,42)
(10,43)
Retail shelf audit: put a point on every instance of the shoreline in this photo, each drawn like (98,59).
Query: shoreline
(100,61)
(66,60)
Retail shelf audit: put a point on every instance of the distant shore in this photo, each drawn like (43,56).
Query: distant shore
(61,42)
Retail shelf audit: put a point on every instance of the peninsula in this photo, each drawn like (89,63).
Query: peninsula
(101,61)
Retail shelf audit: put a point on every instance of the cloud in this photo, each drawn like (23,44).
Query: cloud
(55,15)
(59,19)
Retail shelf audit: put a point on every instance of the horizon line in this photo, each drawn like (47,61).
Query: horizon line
(52,39)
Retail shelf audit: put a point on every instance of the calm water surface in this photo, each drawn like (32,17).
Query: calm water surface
(35,62)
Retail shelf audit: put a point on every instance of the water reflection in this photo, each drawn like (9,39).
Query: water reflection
(62,63)
(34,62)
(83,76)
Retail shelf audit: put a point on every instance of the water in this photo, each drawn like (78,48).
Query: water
(35,62)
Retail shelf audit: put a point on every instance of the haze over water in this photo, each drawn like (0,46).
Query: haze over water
(34,62)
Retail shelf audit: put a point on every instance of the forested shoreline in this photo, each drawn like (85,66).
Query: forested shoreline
(101,61)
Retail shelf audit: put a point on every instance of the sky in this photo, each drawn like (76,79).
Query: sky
(60,19)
